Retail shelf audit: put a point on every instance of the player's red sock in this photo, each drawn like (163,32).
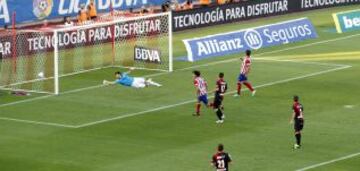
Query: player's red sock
(248,85)
(198,105)
(238,88)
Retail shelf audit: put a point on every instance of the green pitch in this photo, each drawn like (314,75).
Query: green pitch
(92,127)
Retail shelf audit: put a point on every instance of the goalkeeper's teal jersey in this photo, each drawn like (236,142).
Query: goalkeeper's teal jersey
(125,80)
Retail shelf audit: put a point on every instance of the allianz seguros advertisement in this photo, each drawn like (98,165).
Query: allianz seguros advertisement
(253,38)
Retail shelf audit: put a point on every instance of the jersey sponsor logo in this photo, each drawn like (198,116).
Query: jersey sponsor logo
(147,55)
(252,38)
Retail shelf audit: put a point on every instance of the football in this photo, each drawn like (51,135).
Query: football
(41,75)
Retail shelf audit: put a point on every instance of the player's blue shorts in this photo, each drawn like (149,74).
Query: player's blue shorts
(242,77)
(203,99)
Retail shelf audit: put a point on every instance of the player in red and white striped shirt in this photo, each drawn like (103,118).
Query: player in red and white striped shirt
(201,91)
(245,69)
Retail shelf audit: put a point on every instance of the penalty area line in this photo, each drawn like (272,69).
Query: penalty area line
(202,65)
(192,101)
(38,122)
(159,108)
(329,162)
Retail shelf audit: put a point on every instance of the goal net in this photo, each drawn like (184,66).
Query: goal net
(44,58)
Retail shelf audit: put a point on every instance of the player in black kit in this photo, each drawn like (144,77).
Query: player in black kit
(221,159)
(298,118)
(221,87)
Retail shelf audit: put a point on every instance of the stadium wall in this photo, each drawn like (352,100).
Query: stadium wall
(30,11)
(203,17)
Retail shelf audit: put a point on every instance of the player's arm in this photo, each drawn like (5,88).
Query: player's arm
(301,113)
(292,118)
(130,69)
(196,84)
(229,159)
(105,82)
(213,162)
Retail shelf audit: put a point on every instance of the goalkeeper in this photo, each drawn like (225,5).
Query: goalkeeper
(124,79)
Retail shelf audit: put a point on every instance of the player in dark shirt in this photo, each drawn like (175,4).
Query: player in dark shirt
(298,118)
(221,87)
(221,159)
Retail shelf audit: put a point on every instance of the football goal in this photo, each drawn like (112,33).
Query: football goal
(37,60)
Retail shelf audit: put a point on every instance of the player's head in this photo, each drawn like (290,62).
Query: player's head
(221,75)
(296,98)
(220,147)
(248,52)
(196,73)
(118,74)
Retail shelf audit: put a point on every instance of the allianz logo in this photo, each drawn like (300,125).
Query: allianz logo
(253,39)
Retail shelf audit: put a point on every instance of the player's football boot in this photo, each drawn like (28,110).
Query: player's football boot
(253,93)
(220,121)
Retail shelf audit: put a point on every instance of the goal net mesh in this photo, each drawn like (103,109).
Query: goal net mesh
(42,57)
(23,65)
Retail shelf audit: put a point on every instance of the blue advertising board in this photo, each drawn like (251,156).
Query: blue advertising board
(36,10)
(253,38)
(347,21)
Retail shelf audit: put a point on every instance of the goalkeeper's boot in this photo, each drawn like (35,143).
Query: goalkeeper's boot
(149,81)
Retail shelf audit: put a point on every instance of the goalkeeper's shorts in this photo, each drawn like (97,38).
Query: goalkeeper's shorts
(139,82)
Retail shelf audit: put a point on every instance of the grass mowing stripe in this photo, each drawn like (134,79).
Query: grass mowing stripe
(192,67)
(192,101)
(160,108)
(329,162)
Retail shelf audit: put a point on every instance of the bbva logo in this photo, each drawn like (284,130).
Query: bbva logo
(147,55)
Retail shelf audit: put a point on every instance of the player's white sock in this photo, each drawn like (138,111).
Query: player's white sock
(253,93)
(149,81)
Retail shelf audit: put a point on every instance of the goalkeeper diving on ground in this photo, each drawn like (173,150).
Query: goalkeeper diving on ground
(124,79)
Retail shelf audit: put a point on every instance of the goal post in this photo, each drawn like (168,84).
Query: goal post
(143,42)
(24,68)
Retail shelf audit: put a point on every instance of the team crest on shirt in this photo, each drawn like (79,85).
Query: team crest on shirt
(42,8)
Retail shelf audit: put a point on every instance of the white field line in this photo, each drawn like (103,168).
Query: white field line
(188,68)
(159,108)
(66,92)
(26,100)
(329,162)
(301,61)
(192,101)
(201,65)
(38,122)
